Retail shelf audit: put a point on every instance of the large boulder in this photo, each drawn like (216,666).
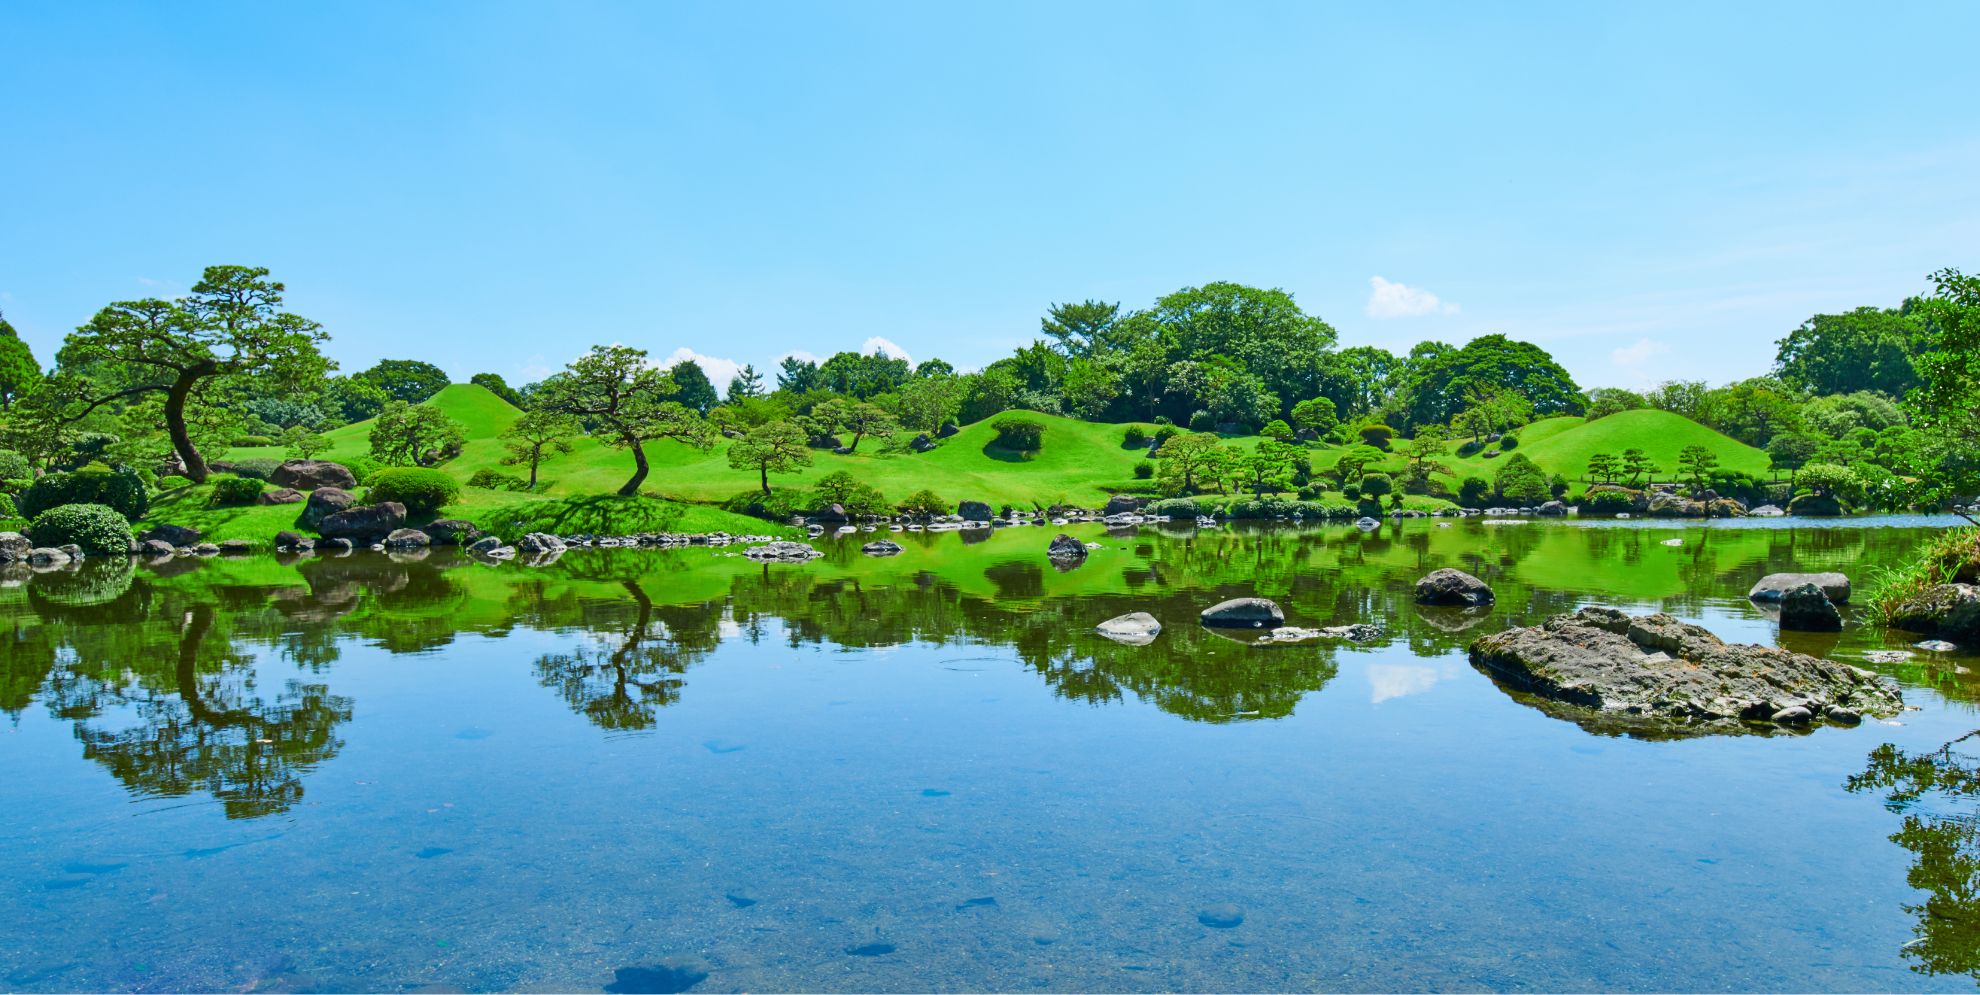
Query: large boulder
(1065,547)
(1773,586)
(948,429)
(1656,676)
(310,474)
(366,524)
(155,548)
(881,547)
(289,540)
(174,535)
(1767,511)
(451,532)
(1132,629)
(1807,609)
(1122,504)
(324,502)
(236,547)
(974,511)
(783,551)
(1943,611)
(14,547)
(1244,613)
(1552,509)
(921,443)
(1452,587)
(408,539)
(281,495)
(1817,506)
(1668,504)
(539,543)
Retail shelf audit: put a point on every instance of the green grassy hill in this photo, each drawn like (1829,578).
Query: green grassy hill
(1563,445)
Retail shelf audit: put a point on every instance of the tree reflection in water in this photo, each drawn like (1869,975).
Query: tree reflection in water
(1943,837)
(631,663)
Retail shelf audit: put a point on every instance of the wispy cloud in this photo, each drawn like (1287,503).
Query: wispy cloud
(719,370)
(1388,299)
(884,346)
(1637,353)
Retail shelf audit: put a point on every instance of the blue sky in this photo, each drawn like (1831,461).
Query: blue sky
(1649,191)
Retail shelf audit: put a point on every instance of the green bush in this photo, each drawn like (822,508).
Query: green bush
(362,467)
(854,495)
(418,488)
(1180,507)
(1277,430)
(1203,421)
(1377,484)
(119,488)
(259,468)
(7,509)
(1162,435)
(1351,491)
(1379,436)
(1135,437)
(777,506)
(231,491)
(14,466)
(251,441)
(1469,448)
(1609,502)
(925,502)
(1508,442)
(1143,470)
(490,479)
(97,528)
(1020,434)
(1472,491)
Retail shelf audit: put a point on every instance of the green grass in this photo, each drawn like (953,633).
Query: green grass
(1563,445)
(1940,560)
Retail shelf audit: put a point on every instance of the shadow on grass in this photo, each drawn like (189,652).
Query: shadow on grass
(596,515)
(1006,455)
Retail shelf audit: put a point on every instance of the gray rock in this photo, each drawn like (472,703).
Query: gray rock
(1132,629)
(783,551)
(14,546)
(367,525)
(281,495)
(1552,509)
(974,511)
(948,429)
(1773,586)
(71,550)
(881,547)
(451,532)
(206,549)
(408,539)
(485,544)
(1937,646)
(311,474)
(1767,511)
(1453,587)
(1359,632)
(1656,676)
(324,502)
(1244,613)
(921,443)
(1122,504)
(1065,547)
(540,543)
(293,540)
(236,547)
(155,547)
(1367,524)
(336,545)
(1943,611)
(47,556)
(1807,609)
(172,535)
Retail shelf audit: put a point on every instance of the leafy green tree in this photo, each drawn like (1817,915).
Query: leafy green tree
(304,442)
(1080,329)
(229,328)
(1260,331)
(857,497)
(415,435)
(1521,480)
(1354,461)
(353,400)
(1187,458)
(1277,431)
(494,384)
(746,383)
(1315,415)
(1865,349)
(408,380)
(1636,464)
(1488,367)
(1603,468)
(1606,401)
(925,402)
(1089,388)
(797,375)
(861,376)
(1697,463)
(934,368)
(1790,451)
(778,447)
(1357,381)
(1830,480)
(538,435)
(692,386)
(1268,467)
(625,400)
(1752,411)
(19,373)
(1946,405)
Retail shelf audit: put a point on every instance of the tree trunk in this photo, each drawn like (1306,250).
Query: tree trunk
(175,425)
(763,473)
(639,468)
(535,457)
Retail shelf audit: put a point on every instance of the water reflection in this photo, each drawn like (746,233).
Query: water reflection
(1934,791)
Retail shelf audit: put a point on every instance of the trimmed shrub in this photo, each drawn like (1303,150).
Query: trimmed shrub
(119,488)
(418,488)
(1508,442)
(1351,491)
(925,503)
(1179,507)
(258,468)
(1162,435)
(1376,485)
(1609,502)
(1470,448)
(1379,436)
(230,490)
(1277,430)
(7,509)
(1144,470)
(362,467)
(777,506)
(1164,420)
(1202,421)
(1557,486)
(14,466)
(1020,434)
(251,441)
(491,479)
(1135,437)
(1472,491)
(97,528)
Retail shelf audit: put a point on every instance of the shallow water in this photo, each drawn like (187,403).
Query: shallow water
(663,771)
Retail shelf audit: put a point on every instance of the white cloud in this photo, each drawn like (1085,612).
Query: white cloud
(1637,353)
(880,345)
(534,368)
(720,371)
(1398,300)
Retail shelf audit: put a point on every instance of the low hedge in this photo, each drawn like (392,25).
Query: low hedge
(418,488)
(232,491)
(97,528)
(119,488)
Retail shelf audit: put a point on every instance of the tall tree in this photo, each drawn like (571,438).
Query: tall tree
(229,327)
(747,383)
(1946,404)
(1188,458)
(1865,349)
(799,376)
(692,386)
(19,373)
(1080,329)
(494,384)
(408,380)
(535,436)
(415,435)
(614,389)
(1262,331)
(1442,386)
(777,447)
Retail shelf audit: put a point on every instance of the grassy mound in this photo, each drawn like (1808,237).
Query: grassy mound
(1563,445)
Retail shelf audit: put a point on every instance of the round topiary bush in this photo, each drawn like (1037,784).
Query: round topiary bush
(7,509)
(258,468)
(1019,434)
(418,488)
(231,491)
(1144,470)
(1135,437)
(1508,442)
(1609,502)
(1377,484)
(1202,421)
(97,528)
(119,488)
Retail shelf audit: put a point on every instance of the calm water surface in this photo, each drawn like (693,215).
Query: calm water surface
(670,771)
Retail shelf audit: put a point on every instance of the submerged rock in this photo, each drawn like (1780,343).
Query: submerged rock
(1656,676)
(782,551)
(1773,586)
(1807,609)
(1244,613)
(1452,587)
(1132,629)
(881,547)
(1065,547)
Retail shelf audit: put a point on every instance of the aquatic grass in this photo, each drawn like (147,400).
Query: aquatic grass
(1937,561)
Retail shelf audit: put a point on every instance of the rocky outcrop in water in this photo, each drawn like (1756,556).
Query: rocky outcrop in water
(974,511)
(14,547)
(783,552)
(1807,609)
(1244,613)
(324,502)
(172,535)
(364,525)
(1132,629)
(1656,676)
(1065,547)
(1453,587)
(408,539)
(881,547)
(1943,611)
(1773,587)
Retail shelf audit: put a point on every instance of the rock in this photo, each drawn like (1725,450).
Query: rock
(1223,915)
(1943,611)
(1936,646)
(155,547)
(1552,509)
(842,451)
(485,544)
(236,547)
(14,546)
(881,547)
(408,539)
(324,502)
(172,535)
(206,549)
(281,495)
(292,540)
(783,551)
(1766,511)
(1367,524)
(921,443)
(451,532)
(1666,504)
(947,430)
(1794,715)
(540,543)
(824,442)
(312,474)
(1816,505)
(1807,609)
(46,556)
(1359,632)
(974,511)
(367,524)
(1121,504)
(1065,547)
(1654,675)
(1244,613)
(1132,629)
(71,550)
(336,545)
(1452,587)
(1773,586)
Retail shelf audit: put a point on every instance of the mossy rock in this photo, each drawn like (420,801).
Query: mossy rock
(1816,506)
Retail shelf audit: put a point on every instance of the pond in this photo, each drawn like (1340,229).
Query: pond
(679,770)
